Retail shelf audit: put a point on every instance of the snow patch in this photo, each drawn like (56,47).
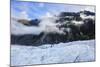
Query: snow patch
(58,53)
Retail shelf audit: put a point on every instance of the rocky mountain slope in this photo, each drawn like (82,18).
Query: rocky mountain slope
(65,27)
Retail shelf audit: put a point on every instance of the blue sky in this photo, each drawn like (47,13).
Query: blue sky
(38,9)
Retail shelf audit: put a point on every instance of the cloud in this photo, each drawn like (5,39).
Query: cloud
(20,29)
(89,8)
(23,15)
(78,22)
(47,25)
(41,5)
(83,16)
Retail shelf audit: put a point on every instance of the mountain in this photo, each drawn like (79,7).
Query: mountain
(88,13)
(65,27)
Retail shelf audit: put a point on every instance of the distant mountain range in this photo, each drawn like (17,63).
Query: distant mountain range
(65,27)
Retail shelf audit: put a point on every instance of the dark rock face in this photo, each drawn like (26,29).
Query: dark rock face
(23,21)
(83,32)
(28,39)
(63,14)
(88,13)
(70,16)
(88,28)
(23,40)
(33,40)
(34,22)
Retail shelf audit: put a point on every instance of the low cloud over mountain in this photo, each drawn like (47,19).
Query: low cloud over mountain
(51,29)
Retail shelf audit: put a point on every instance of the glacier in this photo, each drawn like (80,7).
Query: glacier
(71,52)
